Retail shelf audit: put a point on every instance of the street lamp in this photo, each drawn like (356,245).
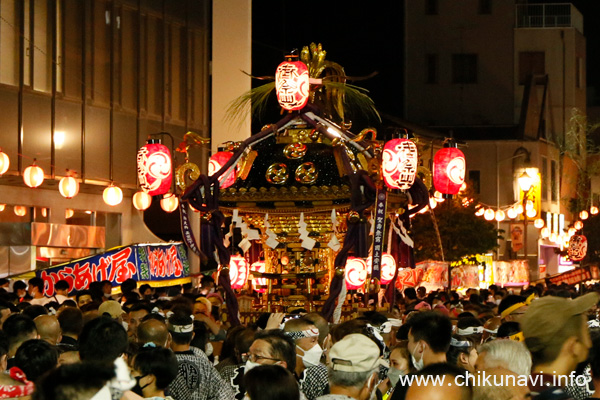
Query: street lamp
(525,184)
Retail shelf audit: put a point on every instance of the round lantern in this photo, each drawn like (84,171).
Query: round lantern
(449,167)
(584,215)
(388,268)
(511,213)
(531,213)
(69,212)
(215,163)
(154,168)
(571,232)
(489,214)
(399,163)
(33,176)
(545,232)
(292,84)
(356,272)
(68,187)
(4,162)
(112,195)
(141,200)
(538,223)
(480,211)
(593,210)
(238,271)
(578,225)
(259,266)
(2,206)
(169,202)
(20,211)
(577,247)
(499,215)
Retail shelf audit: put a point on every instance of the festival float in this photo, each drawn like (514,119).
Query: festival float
(329,210)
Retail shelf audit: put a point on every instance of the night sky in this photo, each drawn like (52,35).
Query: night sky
(364,40)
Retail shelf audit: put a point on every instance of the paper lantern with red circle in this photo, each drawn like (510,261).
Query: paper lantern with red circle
(356,272)
(399,163)
(388,268)
(449,168)
(154,168)
(259,266)
(577,247)
(216,162)
(292,84)
(238,271)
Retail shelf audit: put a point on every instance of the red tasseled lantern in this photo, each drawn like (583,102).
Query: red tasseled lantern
(399,163)
(216,162)
(356,272)
(154,168)
(292,85)
(238,271)
(577,247)
(449,170)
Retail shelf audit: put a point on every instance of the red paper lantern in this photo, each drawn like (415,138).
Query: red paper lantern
(449,167)
(388,268)
(356,272)
(577,247)
(399,163)
(238,271)
(259,266)
(154,168)
(216,162)
(292,84)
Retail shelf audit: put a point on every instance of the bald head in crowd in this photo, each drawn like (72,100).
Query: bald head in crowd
(48,329)
(155,331)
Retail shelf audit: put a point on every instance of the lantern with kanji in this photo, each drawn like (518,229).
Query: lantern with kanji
(154,168)
(577,247)
(356,272)
(216,162)
(259,266)
(238,271)
(399,163)
(449,168)
(292,84)
(387,268)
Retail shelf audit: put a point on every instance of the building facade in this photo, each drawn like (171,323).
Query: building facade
(506,78)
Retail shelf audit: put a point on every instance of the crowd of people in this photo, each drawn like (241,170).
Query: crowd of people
(176,344)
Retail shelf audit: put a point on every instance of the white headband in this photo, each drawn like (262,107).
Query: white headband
(459,343)
(313,332)
(470,330)
(386,327)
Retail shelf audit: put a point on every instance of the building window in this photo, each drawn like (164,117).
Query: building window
(9,42)
(485,6)
(464,68)
(531,63)
(431,68)
(475,180)
(544,178)
(431,7)
(553,181)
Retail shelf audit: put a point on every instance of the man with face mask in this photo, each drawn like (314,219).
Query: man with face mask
(270,347)
(353,368)
(428,342)
(311,373)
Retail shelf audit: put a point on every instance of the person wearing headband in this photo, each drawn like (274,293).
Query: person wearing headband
(512,307)
(462,353)
(312,374)
(196,378)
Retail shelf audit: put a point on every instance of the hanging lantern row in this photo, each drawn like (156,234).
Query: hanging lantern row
(489,214)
